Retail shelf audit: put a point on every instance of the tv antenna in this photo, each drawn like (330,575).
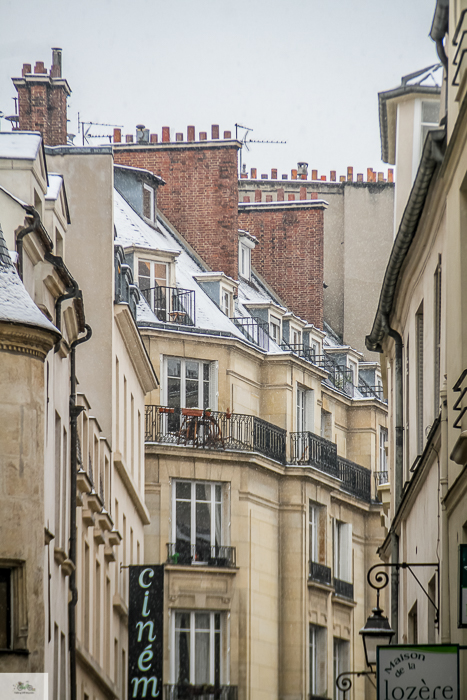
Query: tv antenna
(245,140)
(85,131)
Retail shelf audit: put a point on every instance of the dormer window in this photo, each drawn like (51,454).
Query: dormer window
(148,202)
(244,263)
(226,302)
(275,328)
(296,337)
(152,274)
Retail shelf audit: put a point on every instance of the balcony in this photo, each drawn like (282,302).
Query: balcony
(308,448)
(343,589)
(171,304)
(197,428)
(381,477)
(202,692)
(254,329)
(185,554)
(320,574)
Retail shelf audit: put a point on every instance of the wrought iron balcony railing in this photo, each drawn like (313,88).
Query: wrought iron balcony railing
(343,588)
(214,430)
(171,304)
(381,477)
(370,390)
(308,448)
(186,691)
(320,573)
(186,554)
(254,329)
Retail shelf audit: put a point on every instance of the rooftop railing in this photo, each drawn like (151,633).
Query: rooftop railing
(370,390)
(172,304)
(214,430)
(318,452)
(254,329)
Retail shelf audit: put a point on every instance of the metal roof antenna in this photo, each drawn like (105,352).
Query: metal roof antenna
(245,140)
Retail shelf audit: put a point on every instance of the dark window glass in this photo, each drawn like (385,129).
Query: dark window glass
(5,612)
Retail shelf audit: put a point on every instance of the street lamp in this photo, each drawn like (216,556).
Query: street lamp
(377,632)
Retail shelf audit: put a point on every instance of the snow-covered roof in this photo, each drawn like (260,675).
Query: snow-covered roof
(55,182)
(16,306)
(19,145)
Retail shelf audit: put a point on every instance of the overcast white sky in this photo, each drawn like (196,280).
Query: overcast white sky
(304,71)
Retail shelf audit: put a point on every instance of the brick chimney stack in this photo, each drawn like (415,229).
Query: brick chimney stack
(42,100)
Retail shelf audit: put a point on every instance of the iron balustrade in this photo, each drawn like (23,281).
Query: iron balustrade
(186,691)
(355,478)
(214,430)
(186,554)
(381,477)
(344,589)
(370,390)
(301,350)
(254,329)
(308,448)
(320,573)
(172,304)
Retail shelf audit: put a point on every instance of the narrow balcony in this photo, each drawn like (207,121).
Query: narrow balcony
(185,691)
(185,554)
(308,448)
(320,574)
(172,304)
(219,430)
(381,477)
(254,329)
(344,589)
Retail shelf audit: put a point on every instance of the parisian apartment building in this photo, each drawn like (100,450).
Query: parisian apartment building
(183,387)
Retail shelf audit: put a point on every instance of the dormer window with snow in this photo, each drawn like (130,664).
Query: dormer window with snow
(220,288)
(148,202)
(152,274)
(226,302)
(246,243)
(275,328)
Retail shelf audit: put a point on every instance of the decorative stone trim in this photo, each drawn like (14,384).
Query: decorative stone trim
(26,340)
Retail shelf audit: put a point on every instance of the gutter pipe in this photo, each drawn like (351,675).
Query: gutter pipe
(74,413)
(439,28)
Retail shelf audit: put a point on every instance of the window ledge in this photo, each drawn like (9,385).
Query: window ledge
(329,588)
(202,567)
(21,652)
(343,601)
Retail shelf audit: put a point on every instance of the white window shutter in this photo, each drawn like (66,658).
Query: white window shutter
(213,384)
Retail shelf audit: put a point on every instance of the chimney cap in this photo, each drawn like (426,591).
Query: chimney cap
(140,126)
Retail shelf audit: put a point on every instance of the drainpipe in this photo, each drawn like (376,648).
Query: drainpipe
(69,293)
(74,413)
(398,468)
(36,223)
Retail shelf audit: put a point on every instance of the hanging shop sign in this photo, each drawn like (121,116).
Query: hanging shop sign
(418,672)
(462,585)
(145,632)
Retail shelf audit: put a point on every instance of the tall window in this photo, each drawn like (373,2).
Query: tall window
(419,378)
(429,120)
(342,546)
(244,261)
(153,280)
(225,302)
(437,338)
(148,202)
(5,608)
(188,383)
(275,328)
(197,648)
(197,525)
(317,660)
(341,663)
(317,532)
(383,462)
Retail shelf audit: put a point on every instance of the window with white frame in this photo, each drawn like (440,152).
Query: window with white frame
(244,261)
(296,337)
(197,521)
(275,328)
(196,657)
(305,407)
(354,370)
(13,606)
(429,119)
(148,202)
(153,281)
(340,664)
(383,460)
(317,646)
(342,551)
(317,532)
(225,302)
(190,383)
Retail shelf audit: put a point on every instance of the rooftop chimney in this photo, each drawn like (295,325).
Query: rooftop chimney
(302,169)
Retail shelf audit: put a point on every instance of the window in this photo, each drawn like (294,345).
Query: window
(429,119)
(296,338)
(197,643)
(383,460)
(244,261)
(13,606)
(5,608)
(419,378)
(190,383)
(151,275)
(413,625)
(341,664)
(275,328)
(317,660)
(148,202)
(317,532)
(197,525)
(342,546)
(326,424)
(225,302)
(354,370)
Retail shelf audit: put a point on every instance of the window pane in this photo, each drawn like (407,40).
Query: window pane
(202,661)
(191,399)
(173,367)
(206,372)
(218,493)
(183,490)
(183,531)
(144,268)
(202,621)
(203,531)
(182,656)
(430,112)
(173,392)
(203,492)
(192,370)
(4,608)
(160,274)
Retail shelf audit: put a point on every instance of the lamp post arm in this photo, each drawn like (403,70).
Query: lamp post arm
(344,683)
(381,578)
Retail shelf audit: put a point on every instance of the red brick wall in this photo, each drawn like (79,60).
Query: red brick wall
(290,256)
(200,198)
